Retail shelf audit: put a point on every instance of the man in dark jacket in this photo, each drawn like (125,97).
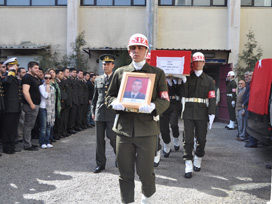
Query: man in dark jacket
(13,92)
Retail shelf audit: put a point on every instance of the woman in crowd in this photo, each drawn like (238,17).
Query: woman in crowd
(47,111)
(54,83)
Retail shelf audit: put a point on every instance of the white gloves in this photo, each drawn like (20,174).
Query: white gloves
(146,108)
(117,106)
(233,103)
(184,79)
(211,119)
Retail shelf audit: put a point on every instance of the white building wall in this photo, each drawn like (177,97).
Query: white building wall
(40,25)
(192,27)
(111,26)
(259,20)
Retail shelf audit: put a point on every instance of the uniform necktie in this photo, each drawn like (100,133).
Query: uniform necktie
(106,79)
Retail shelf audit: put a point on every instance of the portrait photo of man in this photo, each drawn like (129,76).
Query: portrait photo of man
(135,92)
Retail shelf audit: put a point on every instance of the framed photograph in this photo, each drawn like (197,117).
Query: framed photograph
(136,89)
(173,63)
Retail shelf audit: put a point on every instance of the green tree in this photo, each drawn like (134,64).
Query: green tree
(77,58)
(249,55)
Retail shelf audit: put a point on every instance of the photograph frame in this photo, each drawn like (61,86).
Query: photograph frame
(134,106)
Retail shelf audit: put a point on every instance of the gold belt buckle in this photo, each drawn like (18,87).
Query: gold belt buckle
(195,100)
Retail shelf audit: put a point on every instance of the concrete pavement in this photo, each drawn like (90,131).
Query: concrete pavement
(230,173)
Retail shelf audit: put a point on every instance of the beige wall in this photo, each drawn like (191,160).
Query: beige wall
(192,28)
(40,25)
(259,20)
(111,26)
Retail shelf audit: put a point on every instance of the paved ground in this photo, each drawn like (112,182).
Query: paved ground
(230,173)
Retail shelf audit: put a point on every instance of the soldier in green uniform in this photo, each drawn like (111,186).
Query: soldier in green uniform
(137,132)
(103,116)
(231,99)
(198,90)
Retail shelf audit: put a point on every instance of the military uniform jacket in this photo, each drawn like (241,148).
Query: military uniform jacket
(199,87)
(67,82)
(140,124)
(74,85)
(86,92)
(231,90)
(80,91)
(2,103)
(99,107)
(13,94)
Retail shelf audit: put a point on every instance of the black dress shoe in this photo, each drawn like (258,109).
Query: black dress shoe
(8,152)
(0,154)
(197,169)
(53,140)
(248,145)
(34,145)
(78,129)
(188,175)
(98,169)
(231,128)
(56,138)
(156,164)
(176,147)
(31,148)
(166,154)
(17,150)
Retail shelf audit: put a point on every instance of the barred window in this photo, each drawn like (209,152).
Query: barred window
(256,3)
(113,2)
(33,2)
(193,2)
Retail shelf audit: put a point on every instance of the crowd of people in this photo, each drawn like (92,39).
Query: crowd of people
(238,105)
(44,105)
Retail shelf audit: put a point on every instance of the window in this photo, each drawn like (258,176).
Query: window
(113,2)
(256,3)
(33,2)
(193,2)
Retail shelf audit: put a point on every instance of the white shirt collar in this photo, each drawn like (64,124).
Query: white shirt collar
(198,72)
(138,65)
(107,75)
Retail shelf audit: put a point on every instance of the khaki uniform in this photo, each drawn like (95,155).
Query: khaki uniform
(137,133)
(196,113)
(104,118)
(231,96)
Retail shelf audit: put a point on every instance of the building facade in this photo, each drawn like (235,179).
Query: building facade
(218,28)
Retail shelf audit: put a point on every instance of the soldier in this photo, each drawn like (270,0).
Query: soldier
(103,116)
(13,93)
(87,100)
(170,116)
(63,97)
(75,103)
(79,80)
(2,107)
(231,99)
(198,90)
(137,131)
(69,101)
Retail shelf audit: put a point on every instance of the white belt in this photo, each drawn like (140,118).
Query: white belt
(196,100)
(229,94)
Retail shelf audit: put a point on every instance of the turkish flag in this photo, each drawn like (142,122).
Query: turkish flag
(260,87)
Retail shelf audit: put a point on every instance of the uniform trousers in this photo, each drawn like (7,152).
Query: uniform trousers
(139,151)
(65,119)
(197,129)
(78,123)
(72,117)
(84,115)
(9,131)
(104,128)
(170,116)
(231,110)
